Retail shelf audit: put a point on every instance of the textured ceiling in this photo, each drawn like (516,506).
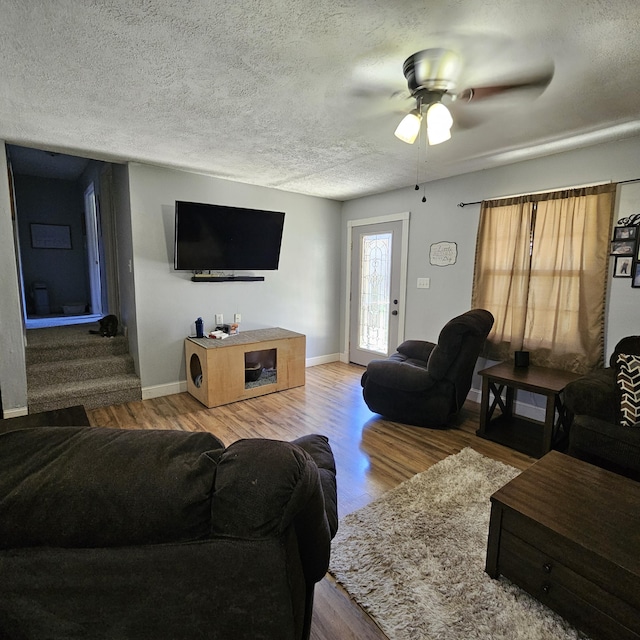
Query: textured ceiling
(299,95)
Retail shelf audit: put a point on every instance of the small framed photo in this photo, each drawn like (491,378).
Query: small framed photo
(635,281)
(622,267)
(623,247)
(625,233)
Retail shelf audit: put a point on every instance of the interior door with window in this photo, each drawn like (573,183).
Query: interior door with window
(376,311)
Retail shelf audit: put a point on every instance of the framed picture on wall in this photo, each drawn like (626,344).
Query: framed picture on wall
(50,236)
(623,247)
(625,233)
(622,267)
(635,281)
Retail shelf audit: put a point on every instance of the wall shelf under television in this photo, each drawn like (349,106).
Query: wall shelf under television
(207,278)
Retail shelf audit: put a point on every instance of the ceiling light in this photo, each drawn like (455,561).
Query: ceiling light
(409,127)
(439,123)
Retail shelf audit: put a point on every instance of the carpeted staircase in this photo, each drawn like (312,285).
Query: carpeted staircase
(67,366)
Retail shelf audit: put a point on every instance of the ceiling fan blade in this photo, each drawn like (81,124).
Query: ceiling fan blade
(537,85)
(464,119)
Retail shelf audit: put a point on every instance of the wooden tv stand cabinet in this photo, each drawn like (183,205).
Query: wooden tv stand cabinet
(216,368)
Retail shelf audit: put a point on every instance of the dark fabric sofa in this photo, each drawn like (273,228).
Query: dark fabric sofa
(115,534)
(596,434)
(426,384)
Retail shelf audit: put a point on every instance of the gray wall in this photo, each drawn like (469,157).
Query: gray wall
(441,219)
(302,295)
(159,305)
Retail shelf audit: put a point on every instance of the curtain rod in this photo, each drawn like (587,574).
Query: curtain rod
(464,204)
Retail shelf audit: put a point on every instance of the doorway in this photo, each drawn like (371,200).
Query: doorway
(376,287)
(57,221)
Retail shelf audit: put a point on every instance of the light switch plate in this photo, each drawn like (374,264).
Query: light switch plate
(424,283)
(219,318)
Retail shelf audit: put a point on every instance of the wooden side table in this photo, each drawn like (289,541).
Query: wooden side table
(524,434)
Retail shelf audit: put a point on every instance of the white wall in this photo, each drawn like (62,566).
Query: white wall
(441,219)
(13,377)
(302,295)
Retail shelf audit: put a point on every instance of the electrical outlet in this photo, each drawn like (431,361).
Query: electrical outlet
(219,318)
(237,318)
(424,283)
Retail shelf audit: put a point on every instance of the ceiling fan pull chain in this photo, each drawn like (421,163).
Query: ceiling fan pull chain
(419,145)
(424,184)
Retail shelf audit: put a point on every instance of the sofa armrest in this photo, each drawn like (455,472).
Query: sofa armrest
(262,488)
(320,451)
(416,349)
(599,441)
(398,375)
(595,394)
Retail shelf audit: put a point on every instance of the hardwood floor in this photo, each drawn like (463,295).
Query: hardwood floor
(372,455)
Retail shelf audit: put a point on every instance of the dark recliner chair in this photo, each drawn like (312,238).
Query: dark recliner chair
(161,535)
(596,434)
(426,384)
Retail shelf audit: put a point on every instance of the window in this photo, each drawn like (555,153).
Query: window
(541,270)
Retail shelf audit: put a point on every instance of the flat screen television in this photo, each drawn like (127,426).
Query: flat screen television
(212,237)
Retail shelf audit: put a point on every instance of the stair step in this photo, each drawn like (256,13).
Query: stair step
(46,373)
(68,365)
(97,392)
(87,347)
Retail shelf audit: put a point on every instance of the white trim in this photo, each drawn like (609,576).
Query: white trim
(93,251)
(159,390)
(390,217)
(15,413)
(404,259)
(330,357)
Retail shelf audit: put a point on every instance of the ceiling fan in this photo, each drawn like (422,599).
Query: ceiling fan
(432,75)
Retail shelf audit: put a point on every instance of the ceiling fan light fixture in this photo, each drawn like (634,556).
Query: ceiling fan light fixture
(409,127)
(439,122)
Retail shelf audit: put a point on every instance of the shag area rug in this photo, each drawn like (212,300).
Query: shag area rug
(414,560)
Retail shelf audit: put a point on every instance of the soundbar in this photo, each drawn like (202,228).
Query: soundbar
(207,278)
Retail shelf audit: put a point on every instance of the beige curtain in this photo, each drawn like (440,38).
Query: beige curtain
(541,269)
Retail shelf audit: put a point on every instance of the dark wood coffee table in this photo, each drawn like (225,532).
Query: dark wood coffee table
(569,533)
(533,437)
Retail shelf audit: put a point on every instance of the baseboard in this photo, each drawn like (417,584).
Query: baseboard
(159,390)
(475,395)
(15,413)
(332,357)
(525,409)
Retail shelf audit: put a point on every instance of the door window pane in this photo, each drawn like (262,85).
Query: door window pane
(375,287)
